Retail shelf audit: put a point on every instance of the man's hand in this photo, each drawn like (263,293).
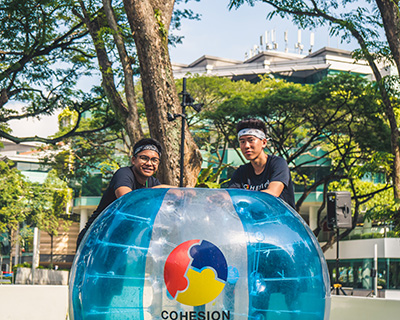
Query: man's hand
(275,188)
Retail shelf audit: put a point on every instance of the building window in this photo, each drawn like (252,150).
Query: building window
(356,273)
(29,166)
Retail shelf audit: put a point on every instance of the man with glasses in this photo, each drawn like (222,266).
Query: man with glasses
(145,161)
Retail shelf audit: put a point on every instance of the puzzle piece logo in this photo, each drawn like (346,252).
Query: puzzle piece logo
(195,272)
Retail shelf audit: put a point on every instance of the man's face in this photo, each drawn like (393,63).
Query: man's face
(251,146)
(146,163)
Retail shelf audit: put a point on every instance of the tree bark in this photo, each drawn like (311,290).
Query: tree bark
(127,115)
(149,21)
(132,122)
(389,10)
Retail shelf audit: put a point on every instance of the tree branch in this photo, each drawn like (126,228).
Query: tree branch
(72,133)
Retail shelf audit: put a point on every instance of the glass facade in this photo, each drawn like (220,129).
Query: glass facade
(314,173)
(356,273)
(32,166)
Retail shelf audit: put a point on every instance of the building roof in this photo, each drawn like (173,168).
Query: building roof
(281,64)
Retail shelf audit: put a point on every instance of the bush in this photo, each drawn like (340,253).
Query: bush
(372,235)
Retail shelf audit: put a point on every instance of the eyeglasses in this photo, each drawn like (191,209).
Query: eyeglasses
(154,161)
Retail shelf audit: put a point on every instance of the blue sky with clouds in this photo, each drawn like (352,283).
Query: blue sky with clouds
(229,34)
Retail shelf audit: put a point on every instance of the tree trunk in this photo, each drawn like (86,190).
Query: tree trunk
(51,251)
(132,121)
(127,115)
(391,20)
(149,21)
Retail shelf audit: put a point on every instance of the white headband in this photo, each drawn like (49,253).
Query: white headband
(252,132)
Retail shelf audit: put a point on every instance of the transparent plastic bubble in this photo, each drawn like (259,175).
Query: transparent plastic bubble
(199,254)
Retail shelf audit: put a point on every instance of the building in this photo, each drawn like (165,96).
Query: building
(296,68)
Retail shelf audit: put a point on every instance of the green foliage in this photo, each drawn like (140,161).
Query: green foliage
(31,203)
(43,58)
(373,235)
(48,203)
(298,117)
(365,23)
(47,58)
(87,155)
(12,192)
(331,131)
(210,178)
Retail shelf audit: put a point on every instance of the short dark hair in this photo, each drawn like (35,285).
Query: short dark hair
(251,123)
(147,141)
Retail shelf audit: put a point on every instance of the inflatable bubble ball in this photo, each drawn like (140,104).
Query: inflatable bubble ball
(199,254)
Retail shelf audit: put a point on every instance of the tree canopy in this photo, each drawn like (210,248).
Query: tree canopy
(329,132)
(364,22)
(12,190)
(52,49)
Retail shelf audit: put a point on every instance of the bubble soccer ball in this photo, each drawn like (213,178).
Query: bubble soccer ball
(199,254)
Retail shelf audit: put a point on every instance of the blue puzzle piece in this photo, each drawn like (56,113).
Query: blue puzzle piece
(208,255)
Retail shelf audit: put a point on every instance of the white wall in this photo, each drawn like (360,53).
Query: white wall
(20,302)
(364,249)
(354,308)
(42,276)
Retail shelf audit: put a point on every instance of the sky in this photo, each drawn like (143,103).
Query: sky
(221,33)
(230,34)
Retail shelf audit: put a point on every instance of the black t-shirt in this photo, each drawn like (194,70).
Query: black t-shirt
(276,169)
(123,177)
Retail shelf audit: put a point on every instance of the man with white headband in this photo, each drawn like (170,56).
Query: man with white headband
(145,161)
(265,173)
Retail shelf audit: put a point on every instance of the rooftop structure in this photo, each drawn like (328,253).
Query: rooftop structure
(297,68)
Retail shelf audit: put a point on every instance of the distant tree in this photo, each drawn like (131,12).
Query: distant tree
(335,124)
(12,191)
(31,204)
(48,205)
(42,58)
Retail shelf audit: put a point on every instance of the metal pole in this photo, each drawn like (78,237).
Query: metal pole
(375,271)
(337,260)
(184,93)
(16,257)
(182,148)
(35,255)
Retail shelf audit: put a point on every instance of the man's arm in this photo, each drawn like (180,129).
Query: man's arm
(119,192)
(280,176)
(275,188)
(163,186)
